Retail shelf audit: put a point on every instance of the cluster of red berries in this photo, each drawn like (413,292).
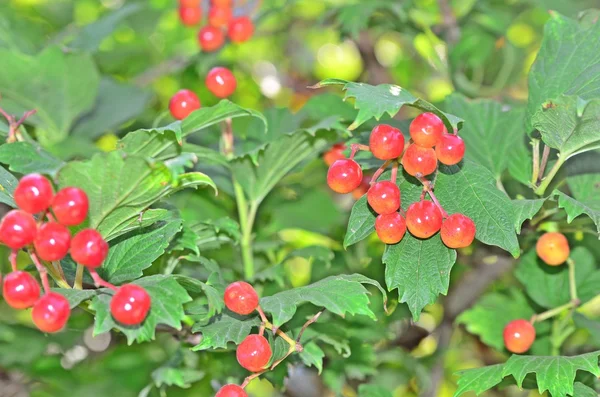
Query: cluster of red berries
(49,239)
(220,18)
(552,248)
(424,218)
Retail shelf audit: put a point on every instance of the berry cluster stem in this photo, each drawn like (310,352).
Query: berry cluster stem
(553,312)
(428,187)
(78,283)
(572,280)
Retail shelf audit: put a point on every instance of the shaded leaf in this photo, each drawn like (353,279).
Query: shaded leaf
(25,158)
(224,328)
(525,209)
(8,183)
(585,200)
(75,296)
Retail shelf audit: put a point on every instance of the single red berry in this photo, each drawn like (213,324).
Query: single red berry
(88,248)
(221,82)
(221,3)
(450,149)
(34,193)
(183,103)
(553,248)
(189,3)
(241,298)
(17,229)
(335,153)
(210,38)
(363,188)
(423,219)
(386,142)
(254,353)
(219,17)
(458,231)
(384,197)
(426,130)
(231,391)
(344,176)
(20,290)
(51,312)
(130,305)
(190,16)
(519,335)
(419,161)
(52,241)
(390,228)
(241,29)
(70,206)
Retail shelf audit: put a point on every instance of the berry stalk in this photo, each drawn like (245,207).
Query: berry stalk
(101,282)
(42,270)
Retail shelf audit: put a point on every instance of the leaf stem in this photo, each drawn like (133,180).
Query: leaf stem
(553,312)
(536,161)
(541,189)
(572,280)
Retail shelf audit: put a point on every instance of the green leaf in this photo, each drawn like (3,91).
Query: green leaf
(375,101)
(593,326)
(478,380)
(213,288)
(586,198)
(490,130)
(419,269)
(180,377)
(224,328)
(75,296)
(520,161)
(567,63)
(59,86)
(525,209)
(167,297)
(312,356)
(548,286)
(370,390)
(26,158)
(581,390)
(8,183)
(338,294)
(480,200)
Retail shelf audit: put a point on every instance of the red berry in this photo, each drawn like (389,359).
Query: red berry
(231,391)
(52,241)
(34,193)
(519,335)
(384,197)
(221,3)
(183,103)
(219,17)
(390,228)
(88,248)
(189,3)
(20,290)
(190,16)
(419,161)
(423,219)
(70,206)
(210,38)
(344,176)
(458,231)
(17,229)
(51,312)
(553,248)
(335,153)
(450,149)
(241,29)
(426,129)
(221,82)
(241,298)
(254,353)
(130,304)
(363,188)
(386,142)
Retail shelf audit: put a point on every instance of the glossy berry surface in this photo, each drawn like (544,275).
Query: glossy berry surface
(221,3)
(219,17)
(34,193)
(390,228)
(189,3)
(17,229)
(254,353)
(450,150)
(519,335)
(190,16)
(183,103)
(240,29)
(88,248)
(553,248)
(423,219)
(386,142)
(70,206)
(130,305)
(458,231)
(363,188)
(241,298)
(231,391)
(52,241)
(419,161)
(20,290)
(384,197)
(221,82)
(210,38)
(426,130)
(51,312)
(335,153)
(344,176)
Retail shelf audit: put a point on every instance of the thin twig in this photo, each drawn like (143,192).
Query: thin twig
(536,161)
(312,320)
(544,162)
